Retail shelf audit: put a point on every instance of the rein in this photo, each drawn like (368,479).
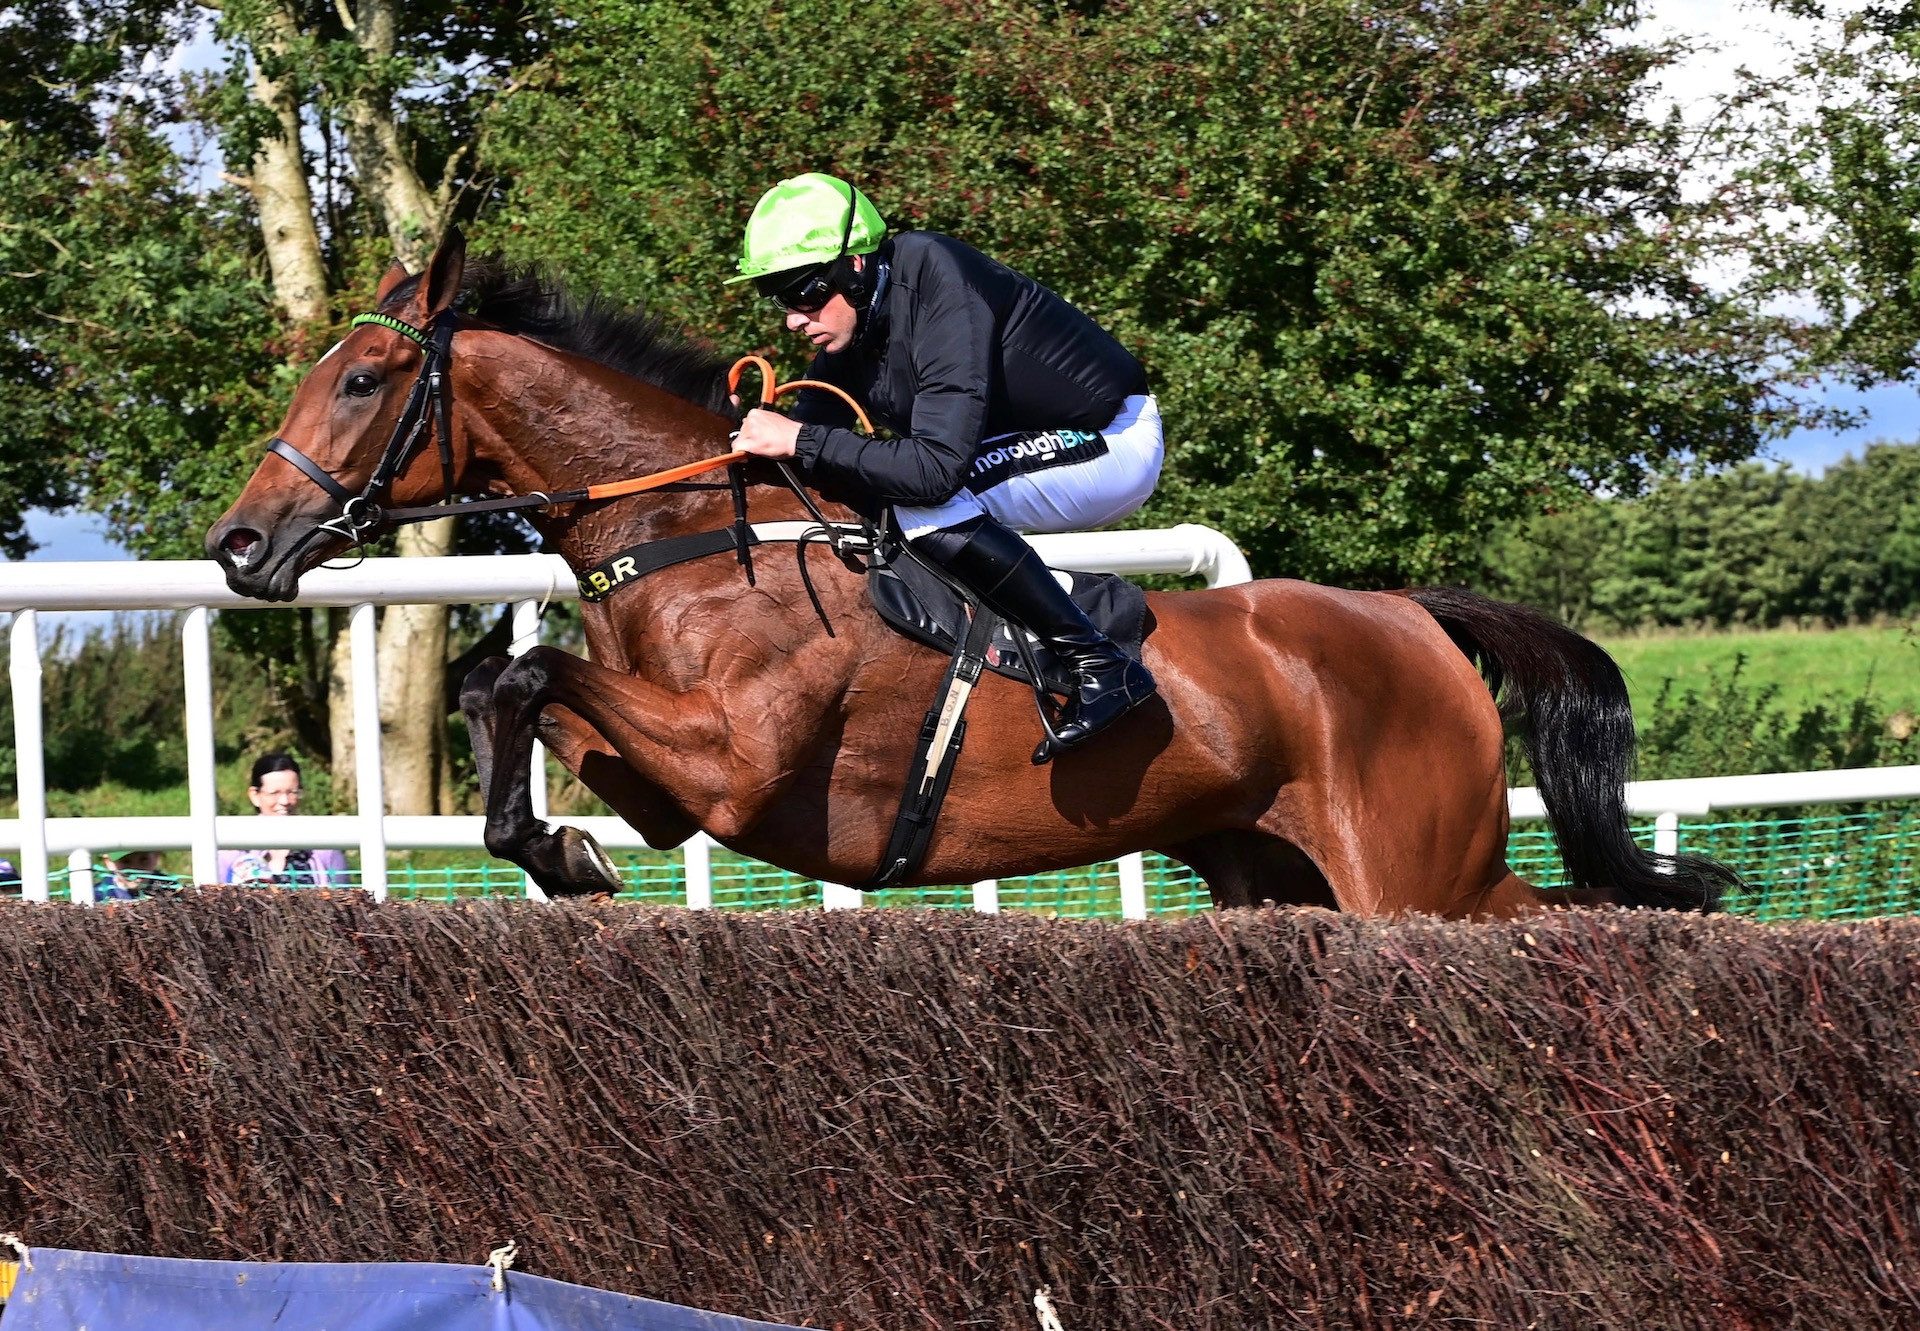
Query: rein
(430,403)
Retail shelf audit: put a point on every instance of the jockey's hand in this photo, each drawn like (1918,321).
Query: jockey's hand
(767,434)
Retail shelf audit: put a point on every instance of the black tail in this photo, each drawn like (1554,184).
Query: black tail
(1571,703)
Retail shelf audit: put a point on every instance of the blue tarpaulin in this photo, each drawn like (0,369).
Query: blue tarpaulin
(67,1290)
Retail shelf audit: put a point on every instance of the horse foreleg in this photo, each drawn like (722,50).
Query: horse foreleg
(718,772)
(582,750)
(590,756)
(476,704)
(566,862)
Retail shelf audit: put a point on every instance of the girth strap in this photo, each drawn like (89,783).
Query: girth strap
(942,732)
(636,561)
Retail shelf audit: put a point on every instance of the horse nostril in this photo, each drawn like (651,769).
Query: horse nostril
(240,545)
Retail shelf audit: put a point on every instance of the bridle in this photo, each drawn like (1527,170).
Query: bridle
(429,402)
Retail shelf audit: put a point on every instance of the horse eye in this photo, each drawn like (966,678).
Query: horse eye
(362,384)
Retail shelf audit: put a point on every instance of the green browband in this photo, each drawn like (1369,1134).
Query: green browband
(388,321)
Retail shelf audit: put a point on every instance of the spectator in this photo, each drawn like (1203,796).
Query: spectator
(275,792)
(132,874)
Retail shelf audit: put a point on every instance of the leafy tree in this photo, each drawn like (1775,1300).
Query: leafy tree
(1399,270)
(157,325)
(141,361)
(59,61)
(1708,550)
(1744,546)
(1856,537)
(1839,186)
(1553,560)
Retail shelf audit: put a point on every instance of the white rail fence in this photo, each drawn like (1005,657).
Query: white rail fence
(526,582)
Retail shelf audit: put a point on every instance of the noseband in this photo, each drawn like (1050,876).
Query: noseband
(431,400)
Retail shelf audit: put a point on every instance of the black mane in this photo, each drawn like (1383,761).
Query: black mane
(534,303)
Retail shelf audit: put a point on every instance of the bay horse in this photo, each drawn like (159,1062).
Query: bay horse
(1310,745)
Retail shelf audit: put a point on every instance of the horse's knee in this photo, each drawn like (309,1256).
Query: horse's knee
(476,690)
(525,679)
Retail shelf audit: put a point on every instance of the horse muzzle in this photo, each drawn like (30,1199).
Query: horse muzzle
(262,565)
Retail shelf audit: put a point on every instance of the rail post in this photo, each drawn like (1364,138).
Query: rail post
(698,862)
(837,896)
(1133,886)
(203,799)
(80,878)
(1666,834)
(29,753)
(526,634)
(366,750)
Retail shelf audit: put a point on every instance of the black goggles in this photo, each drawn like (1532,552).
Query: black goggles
(804,292)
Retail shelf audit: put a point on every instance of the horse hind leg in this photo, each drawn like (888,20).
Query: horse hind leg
(1245,868)
(1512,897)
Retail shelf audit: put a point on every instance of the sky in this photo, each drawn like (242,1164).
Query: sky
(1742,33)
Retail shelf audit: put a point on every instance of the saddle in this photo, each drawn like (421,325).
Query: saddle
(927,606)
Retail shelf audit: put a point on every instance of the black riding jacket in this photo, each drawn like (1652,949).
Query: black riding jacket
(955,349)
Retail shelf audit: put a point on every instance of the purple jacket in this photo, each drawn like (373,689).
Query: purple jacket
(305,868)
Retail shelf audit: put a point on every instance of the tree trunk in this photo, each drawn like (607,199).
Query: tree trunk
(411,214)
(413,639)
(277,181)
(346,778)
(413,686)
(278,184)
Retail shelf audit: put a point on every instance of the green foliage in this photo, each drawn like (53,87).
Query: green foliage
(58,58)
(112,709)
(141,368)
(1855,537)
(61,57)
(1398,270)
(1849,172)
(145,360)
(1729,728)
(1747,545)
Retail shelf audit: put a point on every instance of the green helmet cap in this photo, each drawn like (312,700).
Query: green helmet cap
(804,221)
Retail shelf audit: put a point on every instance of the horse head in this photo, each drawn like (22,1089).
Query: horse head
(369,427)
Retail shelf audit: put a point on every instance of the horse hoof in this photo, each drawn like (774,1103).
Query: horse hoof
(584,866)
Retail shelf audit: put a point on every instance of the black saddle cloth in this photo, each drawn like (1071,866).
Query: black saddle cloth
(921,604)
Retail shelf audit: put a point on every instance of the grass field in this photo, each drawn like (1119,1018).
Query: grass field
(1810,667)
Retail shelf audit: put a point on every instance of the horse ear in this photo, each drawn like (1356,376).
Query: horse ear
(444,270)
(395,276)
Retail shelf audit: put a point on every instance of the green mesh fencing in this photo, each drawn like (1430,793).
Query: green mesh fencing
(1797,866)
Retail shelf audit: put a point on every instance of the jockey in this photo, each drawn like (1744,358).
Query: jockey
(1012,411)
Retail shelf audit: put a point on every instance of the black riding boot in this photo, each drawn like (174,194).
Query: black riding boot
(1008,574)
